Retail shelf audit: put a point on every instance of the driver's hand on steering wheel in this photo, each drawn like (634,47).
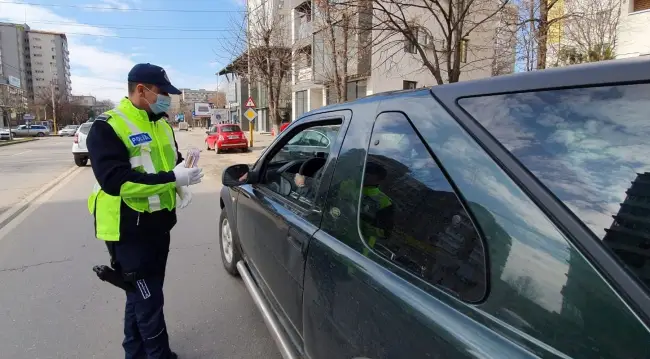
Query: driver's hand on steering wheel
(244,177)
(299,180)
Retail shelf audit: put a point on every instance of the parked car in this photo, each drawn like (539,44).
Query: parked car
(68,130)
(183,126)
(79,149)
(5,135)
(30,131)
(499,218)
(226,137)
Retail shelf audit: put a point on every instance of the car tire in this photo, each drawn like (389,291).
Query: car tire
(218,150)
(40,134)
(228,245)
(207,147)
(81,161)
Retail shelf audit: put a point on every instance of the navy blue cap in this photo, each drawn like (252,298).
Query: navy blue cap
(152,75)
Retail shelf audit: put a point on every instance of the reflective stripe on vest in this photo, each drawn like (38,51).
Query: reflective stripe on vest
(144,159)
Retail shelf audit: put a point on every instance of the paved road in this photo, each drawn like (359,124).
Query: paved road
(27,166)
(53,306)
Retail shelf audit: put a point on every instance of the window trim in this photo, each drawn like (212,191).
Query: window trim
(614,275)
(461,200)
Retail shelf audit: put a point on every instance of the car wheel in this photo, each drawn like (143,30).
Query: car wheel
(229,250)
(218,150)
(81,161)
(40,134)
(207,146)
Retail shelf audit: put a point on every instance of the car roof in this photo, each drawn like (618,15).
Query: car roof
(635,69)
(227,124)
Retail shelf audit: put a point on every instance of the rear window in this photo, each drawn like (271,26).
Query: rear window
(590,147)
(85,128)
(230,128)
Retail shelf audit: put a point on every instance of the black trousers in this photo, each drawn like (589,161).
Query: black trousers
(145,331)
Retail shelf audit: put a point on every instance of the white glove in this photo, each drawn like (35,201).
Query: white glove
(185,195)
(187,176)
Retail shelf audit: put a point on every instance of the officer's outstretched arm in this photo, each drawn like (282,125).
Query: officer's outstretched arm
(110,162)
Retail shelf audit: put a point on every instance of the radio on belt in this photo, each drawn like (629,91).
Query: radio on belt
(192,158)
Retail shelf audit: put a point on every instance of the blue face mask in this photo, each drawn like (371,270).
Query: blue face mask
(161,105)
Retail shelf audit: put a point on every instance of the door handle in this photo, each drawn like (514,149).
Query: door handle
(296,242)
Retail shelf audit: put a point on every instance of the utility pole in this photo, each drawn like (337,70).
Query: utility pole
(53,102)
(251,124)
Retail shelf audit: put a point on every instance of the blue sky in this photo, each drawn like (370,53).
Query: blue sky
(105,38)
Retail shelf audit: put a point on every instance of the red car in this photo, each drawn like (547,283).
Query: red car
(226,137)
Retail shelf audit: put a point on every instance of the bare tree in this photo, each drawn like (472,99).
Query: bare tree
(266,48)
(219,100)
(590,35)
(11,101)
(438,32)
(336,26)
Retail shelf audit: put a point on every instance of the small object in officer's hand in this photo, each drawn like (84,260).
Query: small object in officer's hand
(299,180)
(192,158)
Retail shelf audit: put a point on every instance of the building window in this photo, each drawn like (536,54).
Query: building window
(411,216)
(356,89)
(463,49)
(640,5)
(409,46)
(410,85)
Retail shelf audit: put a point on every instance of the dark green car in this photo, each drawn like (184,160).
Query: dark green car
(500,218)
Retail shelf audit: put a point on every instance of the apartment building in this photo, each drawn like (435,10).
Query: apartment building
(14,55)
(87,101)
(50,65)
(634,29)
(385,66)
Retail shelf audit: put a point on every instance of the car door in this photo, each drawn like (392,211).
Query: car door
(212,136)
(275,225)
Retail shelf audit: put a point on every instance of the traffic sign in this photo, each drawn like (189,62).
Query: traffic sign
(250,102)
(250,114)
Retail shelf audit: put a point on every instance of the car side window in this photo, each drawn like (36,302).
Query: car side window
(295,173)
(411,216)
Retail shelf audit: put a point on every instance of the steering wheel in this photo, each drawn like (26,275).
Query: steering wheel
(311,166)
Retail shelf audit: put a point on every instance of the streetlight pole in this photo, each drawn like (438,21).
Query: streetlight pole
(251,124)
(53,102)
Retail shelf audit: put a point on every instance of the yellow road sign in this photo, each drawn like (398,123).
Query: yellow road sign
(250,114)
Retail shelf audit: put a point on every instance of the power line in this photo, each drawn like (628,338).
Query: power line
(129,27)
(148,38)
(104,8)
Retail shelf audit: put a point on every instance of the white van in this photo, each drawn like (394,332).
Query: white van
(183,126)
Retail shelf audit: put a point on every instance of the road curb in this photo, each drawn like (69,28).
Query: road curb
(15,142)
(20,207)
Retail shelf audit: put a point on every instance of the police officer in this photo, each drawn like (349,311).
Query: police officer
(139,173)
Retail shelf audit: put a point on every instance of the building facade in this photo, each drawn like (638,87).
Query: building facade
(383,66)
(50,65)
(634,29)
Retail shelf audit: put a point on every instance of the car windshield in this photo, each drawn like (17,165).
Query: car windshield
(85,128)
(230,128)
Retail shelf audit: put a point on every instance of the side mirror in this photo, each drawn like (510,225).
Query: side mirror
(235,175)
(207,132)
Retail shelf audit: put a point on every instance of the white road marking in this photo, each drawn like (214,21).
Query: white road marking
(20,153)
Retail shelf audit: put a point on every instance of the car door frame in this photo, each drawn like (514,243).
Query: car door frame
(580,236)
(301,222)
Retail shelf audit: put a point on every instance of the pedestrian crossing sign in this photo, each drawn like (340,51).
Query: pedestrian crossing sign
(250,102)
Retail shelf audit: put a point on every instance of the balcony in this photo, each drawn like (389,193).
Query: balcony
(304,74)
(304,30)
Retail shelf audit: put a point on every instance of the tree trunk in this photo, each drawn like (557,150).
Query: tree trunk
(542,35)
